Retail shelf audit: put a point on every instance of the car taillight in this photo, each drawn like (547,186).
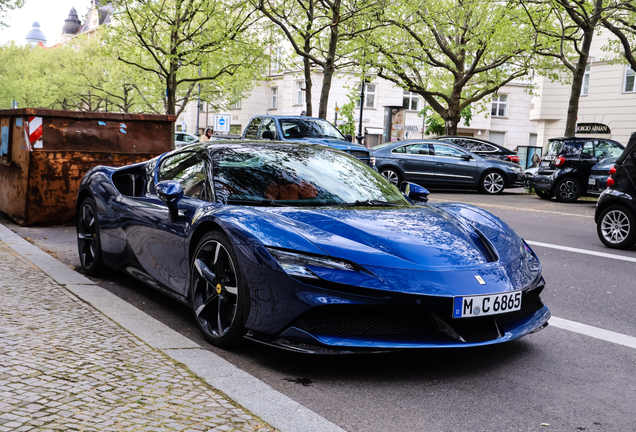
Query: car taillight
(610,182)
(612,170)
(559,161)
(513,158)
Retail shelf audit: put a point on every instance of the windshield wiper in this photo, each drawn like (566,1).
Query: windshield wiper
(262,202)
(369,203)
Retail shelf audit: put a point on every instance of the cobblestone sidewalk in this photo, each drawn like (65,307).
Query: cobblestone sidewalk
(66,367)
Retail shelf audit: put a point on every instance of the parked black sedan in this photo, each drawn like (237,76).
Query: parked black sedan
(615,215)
(567,163)
(433,163)
(482,147)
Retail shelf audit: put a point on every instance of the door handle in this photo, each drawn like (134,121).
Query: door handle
(439,163)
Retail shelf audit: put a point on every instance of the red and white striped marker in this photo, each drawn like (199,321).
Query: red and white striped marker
(35,131)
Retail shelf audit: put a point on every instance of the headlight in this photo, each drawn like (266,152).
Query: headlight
(295,264)
(516,170)
(372,160)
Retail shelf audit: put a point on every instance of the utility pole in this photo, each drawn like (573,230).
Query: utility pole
(359,137)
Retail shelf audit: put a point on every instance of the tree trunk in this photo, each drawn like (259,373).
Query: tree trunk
(329,65)
(307,64)
(577,84)
(579,71)
(452,115)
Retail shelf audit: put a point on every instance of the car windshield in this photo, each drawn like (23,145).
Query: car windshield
(306,176)
(309,128)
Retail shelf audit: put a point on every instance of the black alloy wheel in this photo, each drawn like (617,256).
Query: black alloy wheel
(544,194)
(392,175)
(217,295)
(567,190)
(492,183)
(616,228)
(88,241)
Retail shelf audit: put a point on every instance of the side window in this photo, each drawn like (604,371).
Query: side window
(418,149)
(605,149)
(588,149)
(268,124)
(189,170)
(179,137)
(252,128)
(399,150)
(446,151)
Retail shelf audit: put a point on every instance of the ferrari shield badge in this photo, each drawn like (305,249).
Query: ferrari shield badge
(480,280)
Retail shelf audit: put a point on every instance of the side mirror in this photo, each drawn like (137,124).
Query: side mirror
(170,192)
(414,192)
(268,135)
(466,157)
(348,137)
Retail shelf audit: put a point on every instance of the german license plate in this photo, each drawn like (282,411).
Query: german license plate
(545,163)
(591,182)
(492,304)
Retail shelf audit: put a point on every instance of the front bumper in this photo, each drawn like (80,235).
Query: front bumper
(515,180)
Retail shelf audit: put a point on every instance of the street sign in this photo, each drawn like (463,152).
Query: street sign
(221,123)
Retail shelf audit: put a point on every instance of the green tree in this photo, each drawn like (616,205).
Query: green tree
(452,52)
(321,33)
(566,29)
(172,39)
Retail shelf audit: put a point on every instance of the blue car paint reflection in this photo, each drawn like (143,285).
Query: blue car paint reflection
(408,262)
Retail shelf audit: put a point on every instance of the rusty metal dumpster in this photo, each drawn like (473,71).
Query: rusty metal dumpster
(45,153)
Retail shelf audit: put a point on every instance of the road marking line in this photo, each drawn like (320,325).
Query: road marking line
(595,332)
(582,251)
(515,208)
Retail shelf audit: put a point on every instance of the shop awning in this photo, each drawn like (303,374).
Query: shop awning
(374,131)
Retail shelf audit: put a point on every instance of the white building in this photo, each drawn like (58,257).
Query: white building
(282,94)
(608,97)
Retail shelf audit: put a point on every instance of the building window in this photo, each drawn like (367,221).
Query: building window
(300,93)
(273,101)
(236,105)
(277,59)
(499,106)
(629,79)
(586,80)
(411,101)
(369,96)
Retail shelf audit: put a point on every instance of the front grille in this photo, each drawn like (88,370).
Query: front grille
(365,321)
(406,322)
(359,154)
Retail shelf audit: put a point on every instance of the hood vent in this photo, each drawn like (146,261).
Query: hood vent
(487,247)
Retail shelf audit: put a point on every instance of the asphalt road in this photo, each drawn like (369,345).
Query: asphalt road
(554,380)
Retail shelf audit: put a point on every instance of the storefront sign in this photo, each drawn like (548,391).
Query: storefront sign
(592,128)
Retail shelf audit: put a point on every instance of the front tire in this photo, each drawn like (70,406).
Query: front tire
(544,194)
(89,244)
(217,293)
(392,175)
(492,183)
(616,228)
(567,190)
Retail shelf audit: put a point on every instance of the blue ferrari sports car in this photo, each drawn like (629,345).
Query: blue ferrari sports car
(304,247)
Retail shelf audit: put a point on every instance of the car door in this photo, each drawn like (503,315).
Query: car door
(416,162)
(159,244)
(454,167)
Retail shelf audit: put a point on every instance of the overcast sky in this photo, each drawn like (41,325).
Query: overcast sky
(49,13)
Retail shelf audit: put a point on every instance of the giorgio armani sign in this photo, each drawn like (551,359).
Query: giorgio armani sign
(592,128)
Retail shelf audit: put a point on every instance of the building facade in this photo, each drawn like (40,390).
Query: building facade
(282,93)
